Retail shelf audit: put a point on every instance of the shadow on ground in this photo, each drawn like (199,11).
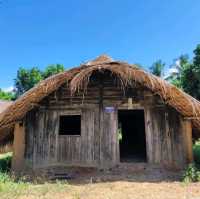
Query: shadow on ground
(123,172)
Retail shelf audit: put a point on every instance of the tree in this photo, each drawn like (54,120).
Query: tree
(180,65)
(157,68)
(26,79)
(196,59)
(6,95)
(52,70)
(190,77)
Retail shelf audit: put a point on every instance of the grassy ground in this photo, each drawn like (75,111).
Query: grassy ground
(120,183)
(105,190)
(140,183)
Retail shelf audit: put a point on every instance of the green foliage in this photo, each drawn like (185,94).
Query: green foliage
(52,70)
(189,74)
(28,78)
(6,95)
(183,65)
(192,174)
(191,81)
(176,82)
(157,68)
(196,60)
(5,162)
(196,152)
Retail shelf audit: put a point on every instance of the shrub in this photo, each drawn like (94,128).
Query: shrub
(191,174)
(196,151)
(5,162)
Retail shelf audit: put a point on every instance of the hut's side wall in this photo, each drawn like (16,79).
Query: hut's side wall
(98,144)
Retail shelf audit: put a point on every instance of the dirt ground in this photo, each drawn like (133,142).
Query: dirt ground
(122,190)
(123,182)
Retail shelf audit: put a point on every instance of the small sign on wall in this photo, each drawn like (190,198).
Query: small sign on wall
(109,109)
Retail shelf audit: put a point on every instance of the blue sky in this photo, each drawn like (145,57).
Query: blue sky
(38,33)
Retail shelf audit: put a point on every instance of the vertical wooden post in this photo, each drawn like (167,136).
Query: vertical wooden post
(187,139)
(148,134)
(19,147)
(100,117)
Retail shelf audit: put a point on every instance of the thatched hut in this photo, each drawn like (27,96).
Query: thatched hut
(100,114)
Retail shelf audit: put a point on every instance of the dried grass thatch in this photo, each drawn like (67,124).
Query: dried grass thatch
(5,133)
(79,78)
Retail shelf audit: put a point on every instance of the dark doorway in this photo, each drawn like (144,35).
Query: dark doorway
(131,135)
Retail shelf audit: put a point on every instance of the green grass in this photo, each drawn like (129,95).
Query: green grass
(192,172)
(9,187)
(12,187)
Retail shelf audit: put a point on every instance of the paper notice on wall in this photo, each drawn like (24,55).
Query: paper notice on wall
(109,109)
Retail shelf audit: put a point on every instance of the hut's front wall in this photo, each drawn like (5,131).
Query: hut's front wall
(166,135)
(98,143)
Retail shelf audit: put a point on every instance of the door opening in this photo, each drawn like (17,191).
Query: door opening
(131,135)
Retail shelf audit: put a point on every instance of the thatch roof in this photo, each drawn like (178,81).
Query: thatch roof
(79,77)
(6,133)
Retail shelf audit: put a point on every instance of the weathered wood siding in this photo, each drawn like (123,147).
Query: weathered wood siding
(165,137)
(98,144)
(109,153)
(44,146)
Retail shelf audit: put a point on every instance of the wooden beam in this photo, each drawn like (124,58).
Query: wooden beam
(19,147)
(187,137)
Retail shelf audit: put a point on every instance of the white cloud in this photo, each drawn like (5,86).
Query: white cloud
(8,89)
(170,72)
(173,71)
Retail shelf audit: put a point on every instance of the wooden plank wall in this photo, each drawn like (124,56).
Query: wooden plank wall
(97,144)
(45,147)
(109,154)
(166,135)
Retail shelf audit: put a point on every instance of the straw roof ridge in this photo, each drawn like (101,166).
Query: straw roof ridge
(79,77)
